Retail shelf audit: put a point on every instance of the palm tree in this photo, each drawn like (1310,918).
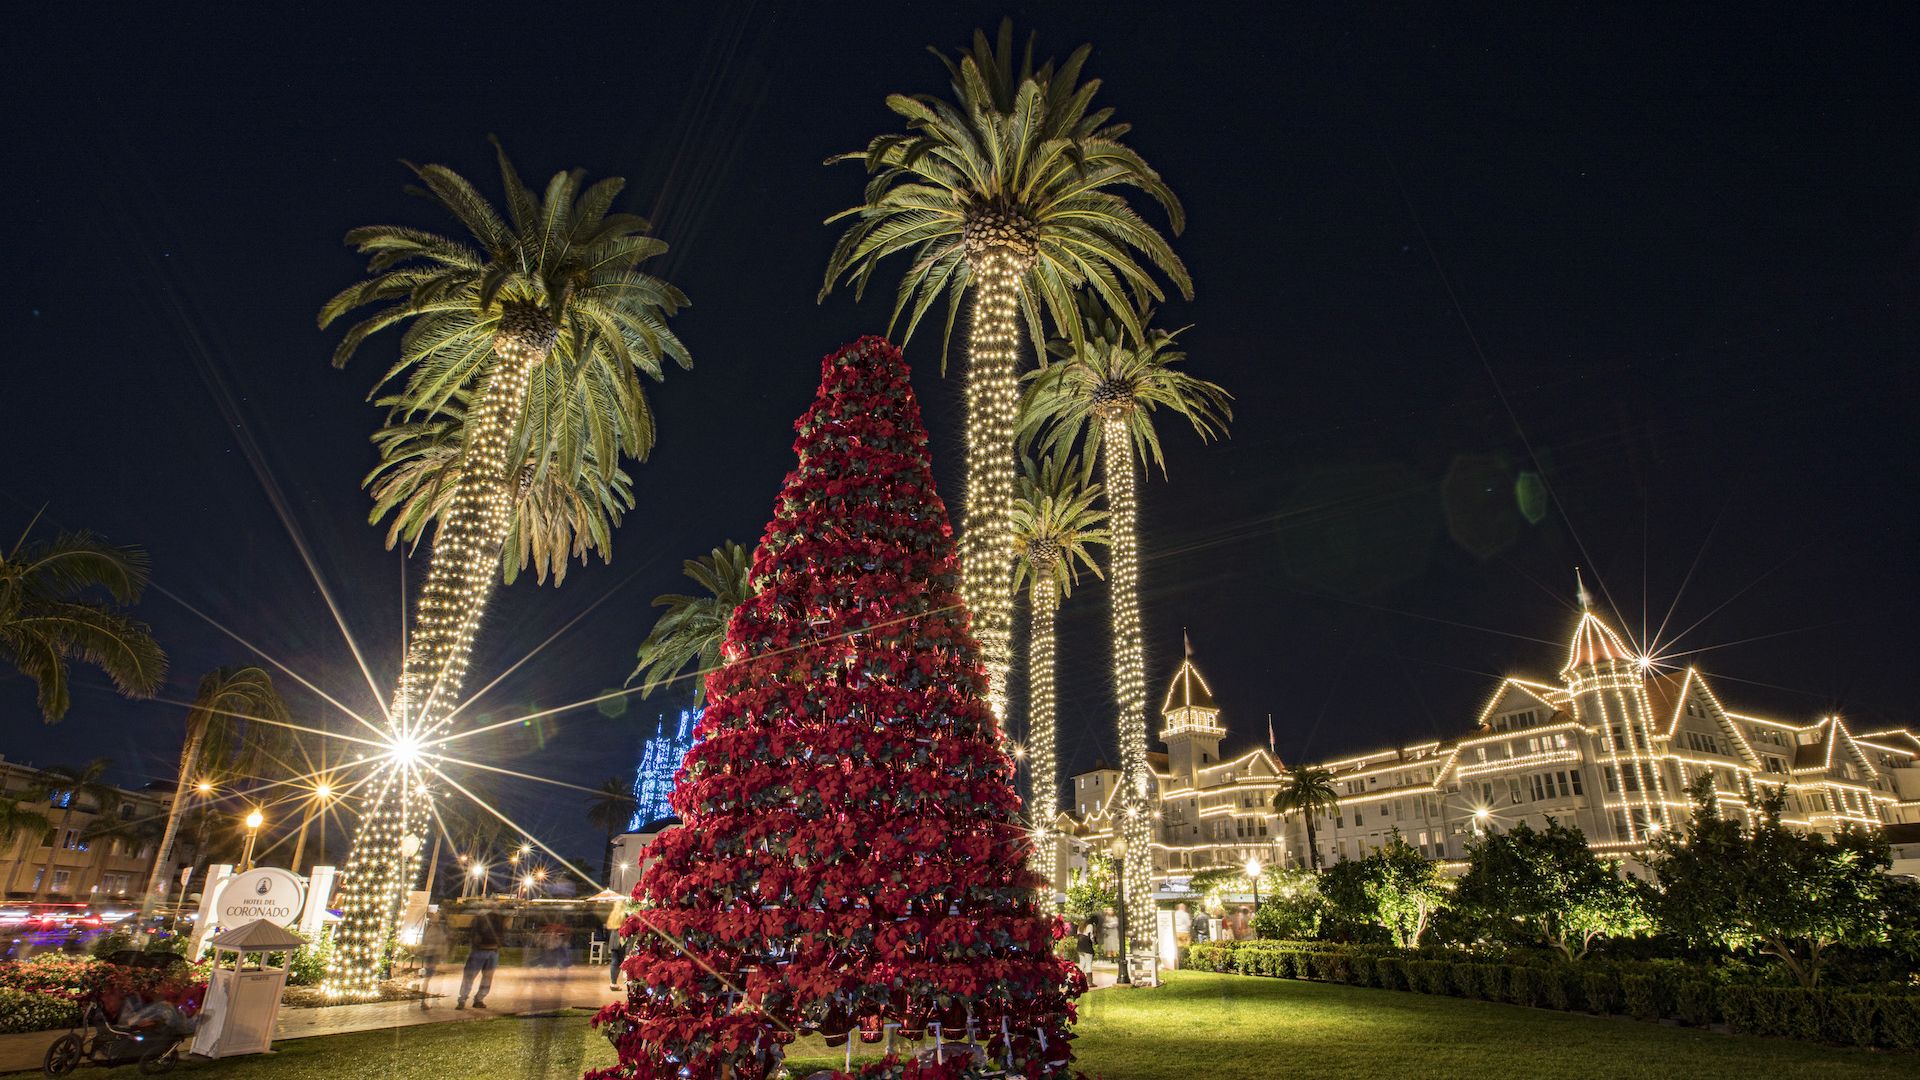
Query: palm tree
(1054,525)
(19,821)
(553,518)
(1309,792)
(547,323)
(611,808)
(692,628)
(69,785)
(47,618)
(1009,191)
(1110,386)
(543,320)
(237,719)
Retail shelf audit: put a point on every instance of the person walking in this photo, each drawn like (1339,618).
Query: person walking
(1085,943)
(433,949)
(617,945)
(483,955)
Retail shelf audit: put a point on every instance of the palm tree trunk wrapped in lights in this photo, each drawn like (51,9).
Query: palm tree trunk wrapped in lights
(467,549)
(1054,522)
(993,398)
(1108,385)
(460,578)
(1129,675)
(545,322)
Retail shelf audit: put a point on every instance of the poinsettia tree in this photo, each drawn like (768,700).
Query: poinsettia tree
(850,855)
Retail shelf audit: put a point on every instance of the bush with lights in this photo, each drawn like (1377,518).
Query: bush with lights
(851,856)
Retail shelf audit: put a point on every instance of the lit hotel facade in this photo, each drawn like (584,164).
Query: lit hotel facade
(1610,746)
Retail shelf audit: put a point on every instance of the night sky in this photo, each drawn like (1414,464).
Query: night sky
(1668,266)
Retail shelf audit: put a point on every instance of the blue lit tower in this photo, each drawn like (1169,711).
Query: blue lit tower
(659,761)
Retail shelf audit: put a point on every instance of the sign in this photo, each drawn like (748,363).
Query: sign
(265,892)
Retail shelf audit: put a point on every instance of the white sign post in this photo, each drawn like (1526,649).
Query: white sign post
(319,891)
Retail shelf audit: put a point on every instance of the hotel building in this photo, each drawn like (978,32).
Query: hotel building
(1609,745)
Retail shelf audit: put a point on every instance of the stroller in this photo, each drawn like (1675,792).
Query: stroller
(151,1037)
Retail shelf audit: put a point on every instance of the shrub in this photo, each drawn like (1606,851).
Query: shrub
(1600,989)
(1695,1002)
(1899,1022)
(1849,1019)
(309,964)
(107,944)
(1642,997)
(1391,971)
(1362,970)
(1211,956)
(1493,981)
(1430,976)
(1526,986)
(1561,985)
(26,1010)
(1772,1010)
(1463,980)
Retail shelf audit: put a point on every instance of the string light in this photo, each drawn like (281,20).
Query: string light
(993,395)
(461,577)
(1040,726)
(1130,677)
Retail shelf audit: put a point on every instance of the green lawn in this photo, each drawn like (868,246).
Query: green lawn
(1220,1027)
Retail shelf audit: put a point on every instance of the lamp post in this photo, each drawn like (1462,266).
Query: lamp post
(1253,874)
(1119,850)
(478,872)
(254,821)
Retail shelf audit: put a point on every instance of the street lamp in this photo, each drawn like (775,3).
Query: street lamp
(478,871)
(1253,874)
(1119,850)
(254,821)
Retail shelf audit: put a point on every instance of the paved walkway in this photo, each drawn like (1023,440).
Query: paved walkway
(515,990)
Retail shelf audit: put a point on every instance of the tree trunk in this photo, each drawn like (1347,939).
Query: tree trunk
(300,840)
(433,866)
(993,396)
(462,574)
(188,752)
(1313,844)
(1040,732)
(1130,676)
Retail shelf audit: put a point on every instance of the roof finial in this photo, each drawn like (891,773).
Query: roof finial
(1580,591)
(1187,641)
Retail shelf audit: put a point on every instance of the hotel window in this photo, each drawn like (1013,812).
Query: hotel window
(1513,789)
(1540,791)
(73,841)
(60,879)
(1358,819)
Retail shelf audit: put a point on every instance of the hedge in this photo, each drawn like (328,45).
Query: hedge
(1889,1020)
(1886,1017)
